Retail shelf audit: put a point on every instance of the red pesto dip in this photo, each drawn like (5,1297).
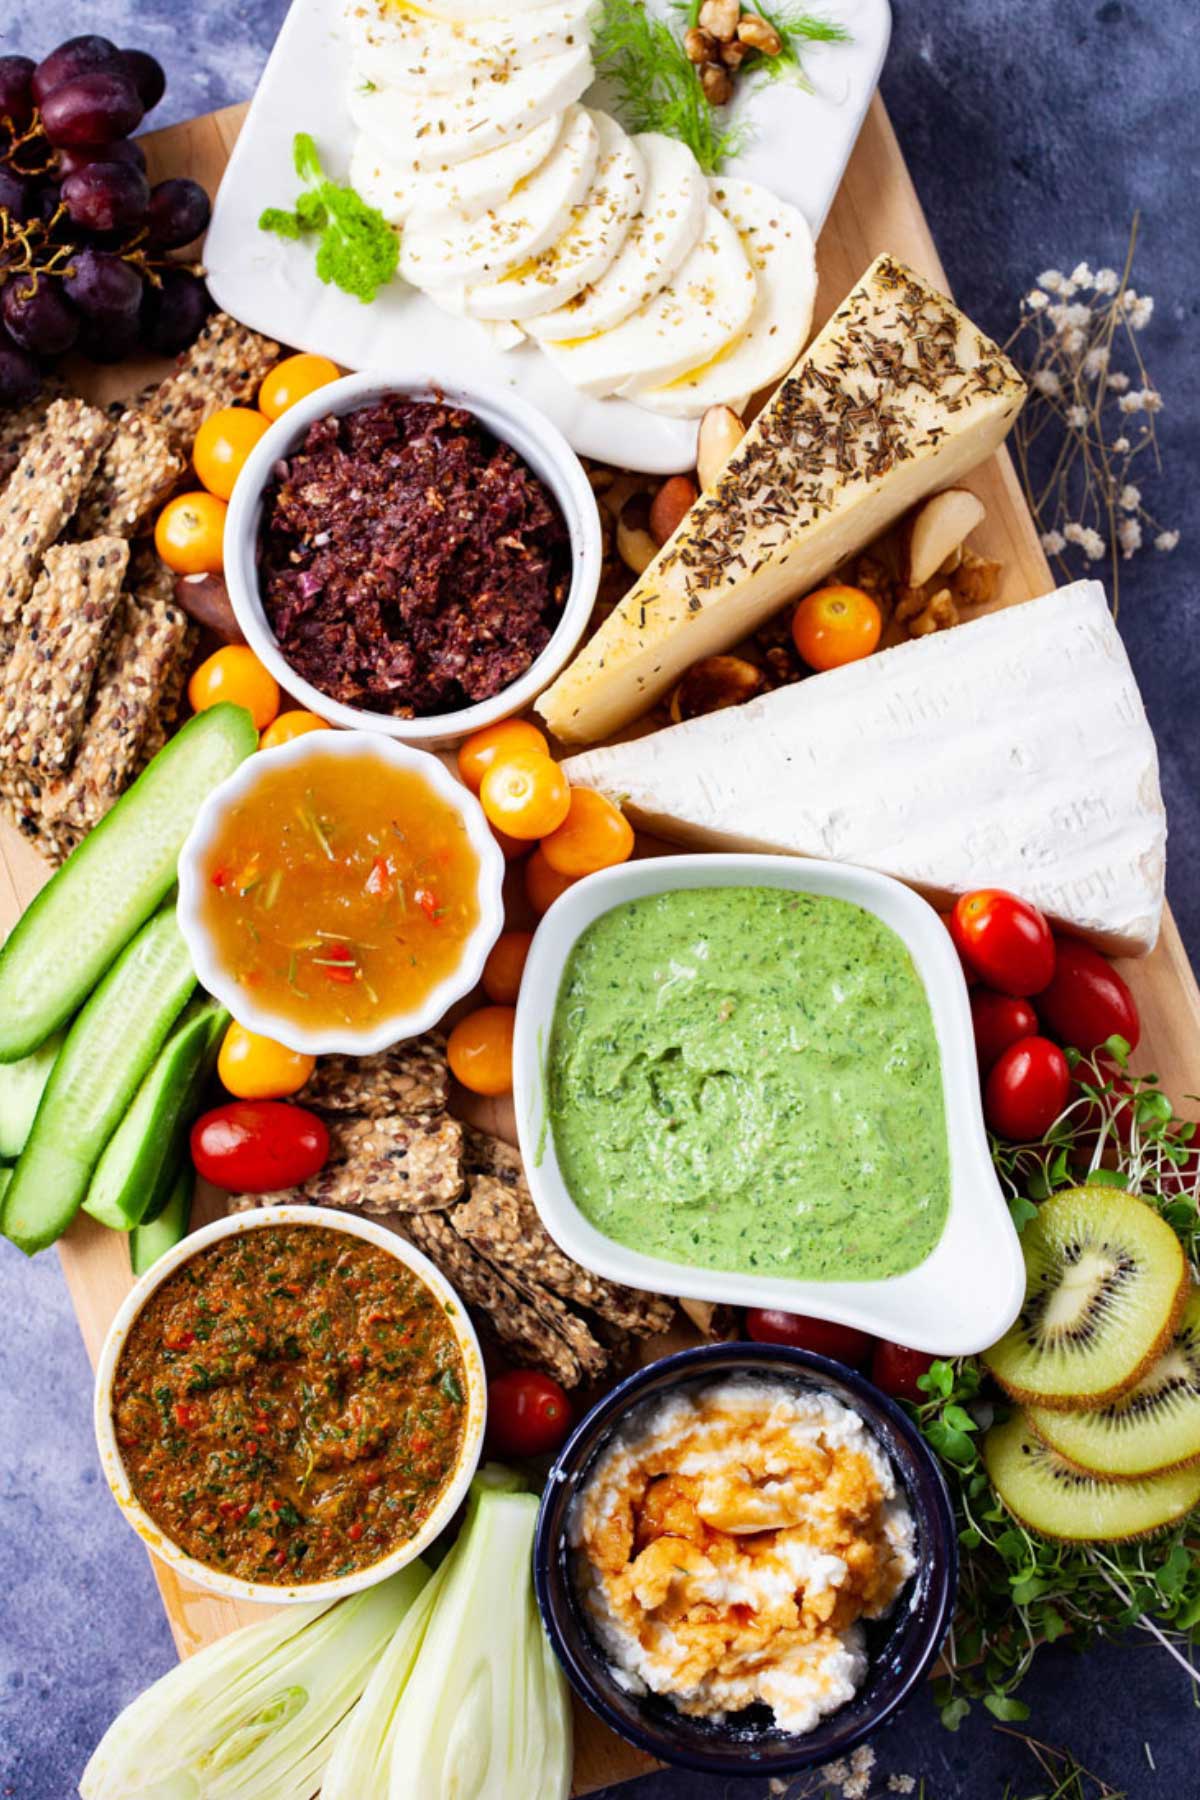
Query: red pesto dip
(409,562)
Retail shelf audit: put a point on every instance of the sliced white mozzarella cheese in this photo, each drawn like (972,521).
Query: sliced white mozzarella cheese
(779,244)
(673,205)
(590,244)
(469,10)
(707,303)
(396,46)
(465,188)
(436,252)
(430,131)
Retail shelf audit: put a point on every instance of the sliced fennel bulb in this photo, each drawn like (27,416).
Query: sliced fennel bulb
(255,1716)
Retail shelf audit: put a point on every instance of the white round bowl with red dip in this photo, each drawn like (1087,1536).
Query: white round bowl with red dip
(538,445)
(474,1402)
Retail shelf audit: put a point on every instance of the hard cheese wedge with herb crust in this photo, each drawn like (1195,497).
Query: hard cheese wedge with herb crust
(1012,752)
(898,395)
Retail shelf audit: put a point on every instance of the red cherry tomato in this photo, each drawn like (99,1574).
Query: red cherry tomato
(768,1326)
(1087,1002)
(894,1368)
(1026,1090)
(528,1413)
(257,1146)
(1005,940)
(999,1020)
(969,975)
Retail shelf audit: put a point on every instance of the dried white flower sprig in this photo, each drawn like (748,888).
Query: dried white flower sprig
(1086,421)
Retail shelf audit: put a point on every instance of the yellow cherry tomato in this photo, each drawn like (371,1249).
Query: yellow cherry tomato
(511,847)
(190,534)
(236,674)
(505,965)
(257,1068)
(290,725)
(295,378)
(479,1050)
(482,749)
(543,884)
(526,794)
(223,443)
(594,835)
(836,625)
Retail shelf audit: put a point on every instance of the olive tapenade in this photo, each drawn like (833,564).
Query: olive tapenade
(409,562)
(290,1404)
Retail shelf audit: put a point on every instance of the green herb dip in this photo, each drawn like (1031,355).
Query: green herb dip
(748,1079)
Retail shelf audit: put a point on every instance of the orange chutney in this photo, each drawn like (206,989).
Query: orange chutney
(338,890)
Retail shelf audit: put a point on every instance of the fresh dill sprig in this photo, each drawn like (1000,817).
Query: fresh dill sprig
(796,28)
(655,87)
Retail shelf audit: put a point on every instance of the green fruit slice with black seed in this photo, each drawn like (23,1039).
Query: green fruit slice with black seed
(1105,1283)
(1152,1428)
(1048,1495)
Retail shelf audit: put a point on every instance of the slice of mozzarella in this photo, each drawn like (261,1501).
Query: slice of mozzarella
(590,244)
(430,131)
(779,244)
(674,200)
(465,188)
(708,302)
(438,252)
(395,46)
(467,11)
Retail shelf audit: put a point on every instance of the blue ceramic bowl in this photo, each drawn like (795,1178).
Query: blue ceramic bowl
(901,1648)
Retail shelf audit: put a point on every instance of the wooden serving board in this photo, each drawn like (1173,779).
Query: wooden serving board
(876,210)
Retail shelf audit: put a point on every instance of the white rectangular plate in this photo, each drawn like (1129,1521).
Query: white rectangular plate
(800,147)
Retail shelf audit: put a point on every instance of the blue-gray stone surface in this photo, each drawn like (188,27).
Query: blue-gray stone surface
(1034,129)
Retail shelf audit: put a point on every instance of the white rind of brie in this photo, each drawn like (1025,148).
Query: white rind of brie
(1013,752)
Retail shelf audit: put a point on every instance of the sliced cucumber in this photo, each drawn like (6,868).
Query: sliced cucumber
(21,1087)
(108,1050)
(89,910)
(148,1242)
(142,1155)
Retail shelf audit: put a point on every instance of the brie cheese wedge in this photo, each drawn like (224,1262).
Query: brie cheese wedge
(899,395)
(1010,752)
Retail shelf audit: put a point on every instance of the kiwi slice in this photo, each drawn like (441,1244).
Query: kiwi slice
(1051,1497)
(1152,1428)
(1105,1283)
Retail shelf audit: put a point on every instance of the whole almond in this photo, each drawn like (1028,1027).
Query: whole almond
(670,506)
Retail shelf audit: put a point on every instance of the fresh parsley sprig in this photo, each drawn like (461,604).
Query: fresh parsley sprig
(357,250)
(1018,1590)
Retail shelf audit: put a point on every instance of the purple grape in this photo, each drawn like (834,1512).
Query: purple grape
(148,75)
(106,196)
(123,150)
(20,381)
(173,313)
(38,316)
(179,211)
(77,56)
(45,201)
(16,94)
(104,288)
(18,195)
(92,109)
(109,340)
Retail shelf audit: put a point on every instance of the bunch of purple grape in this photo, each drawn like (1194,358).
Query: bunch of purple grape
(84,238)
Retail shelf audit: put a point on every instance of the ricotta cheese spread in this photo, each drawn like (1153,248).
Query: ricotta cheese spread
(728,1544)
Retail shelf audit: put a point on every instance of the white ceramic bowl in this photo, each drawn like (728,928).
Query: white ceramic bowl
(152,1535)
(510,419)
(392,1028)
(966,1293)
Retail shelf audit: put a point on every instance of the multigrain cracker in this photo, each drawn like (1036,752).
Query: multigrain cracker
(405,1163)
(42,493)
(224,367)
(19,427)
(410,1078)
(136,472)
(52,667)
(143,660)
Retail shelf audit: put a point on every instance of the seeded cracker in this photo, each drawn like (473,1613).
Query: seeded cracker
(411,1078)
(401,1164)
(19,428)
(134,476)
(224,366)
(42,494)
(142,660)
(50,673)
